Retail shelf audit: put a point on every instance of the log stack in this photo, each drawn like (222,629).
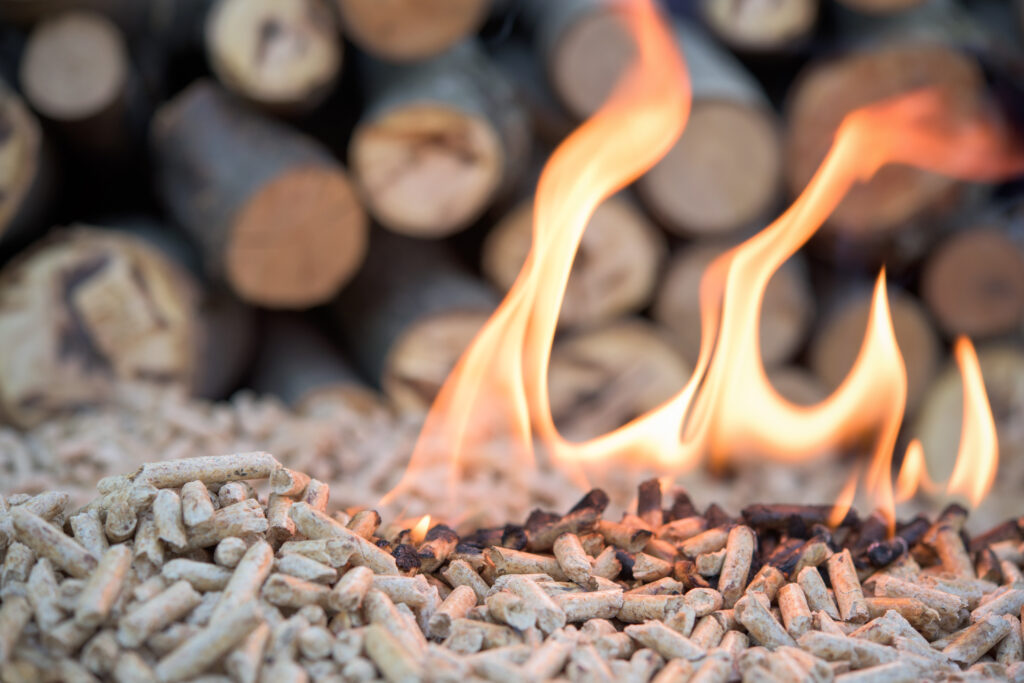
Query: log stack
(357,177)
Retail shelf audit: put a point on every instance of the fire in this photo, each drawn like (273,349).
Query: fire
(419,531)
(913,473)
(978,456)
(728,409)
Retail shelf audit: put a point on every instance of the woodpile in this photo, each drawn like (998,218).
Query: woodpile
(343,190)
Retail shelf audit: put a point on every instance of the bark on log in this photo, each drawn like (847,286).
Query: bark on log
(974,283)
(615,270)
(84,312)
(438,142)
(601,379)
(408,315)
(300,365)
(285,56)
(760,25)
(835,345)
(938,424)
(786,314)
(725,171)
(26,171)
(409,30)
(76,72)
(878,209)
(275,214)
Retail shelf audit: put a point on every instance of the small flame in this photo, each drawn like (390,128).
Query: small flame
(729,408)
(913,473)
(844,501)
(419,531)
(978,456)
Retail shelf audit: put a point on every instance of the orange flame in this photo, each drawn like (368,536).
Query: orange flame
(978,456)
(913,473)
(419,531)
(729,408)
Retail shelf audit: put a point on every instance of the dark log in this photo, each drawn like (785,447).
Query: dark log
(408,315)
(275,214)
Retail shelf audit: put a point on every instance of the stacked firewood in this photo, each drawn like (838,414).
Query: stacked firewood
(327,198)
(182,570)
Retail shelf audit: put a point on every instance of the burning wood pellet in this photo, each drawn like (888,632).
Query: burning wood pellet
(322,599)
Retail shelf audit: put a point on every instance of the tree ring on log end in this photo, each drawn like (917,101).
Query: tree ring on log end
(406,30)
(826,93)
(75,66)
(86,311)
(427,169)
(723,173)
(297,240)
(424,355)
(616,266)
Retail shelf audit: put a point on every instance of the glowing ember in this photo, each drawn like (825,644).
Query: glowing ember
(728,410)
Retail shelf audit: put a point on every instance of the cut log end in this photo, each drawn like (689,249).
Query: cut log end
(424,355)
(974,284)
(84,312)
(282,54)
(586,60)
(615,270)
(21,144)
(75,66)
(786,311)
(835,347)
(427,170)
(406,30)
(723,173)
(296,241)
(760,25)
(828,92)
(601,379)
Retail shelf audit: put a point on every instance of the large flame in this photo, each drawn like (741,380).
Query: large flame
(728,408)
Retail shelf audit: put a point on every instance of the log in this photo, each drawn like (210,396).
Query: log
(84,312)
(275,214)
(408,315)
(225,328)
(760,25)
(836,343)
(615,270)
(939,419)
(724,173)
(409,30)
(600,379)
(26,171)
(786,314)
(76,72)
(285,56)
(797,384)
(973,283)
(438,142)
(878,210)
(301,366)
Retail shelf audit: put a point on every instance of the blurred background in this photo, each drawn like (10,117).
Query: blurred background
(275,224)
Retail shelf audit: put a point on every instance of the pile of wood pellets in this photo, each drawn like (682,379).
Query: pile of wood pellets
(231,568)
